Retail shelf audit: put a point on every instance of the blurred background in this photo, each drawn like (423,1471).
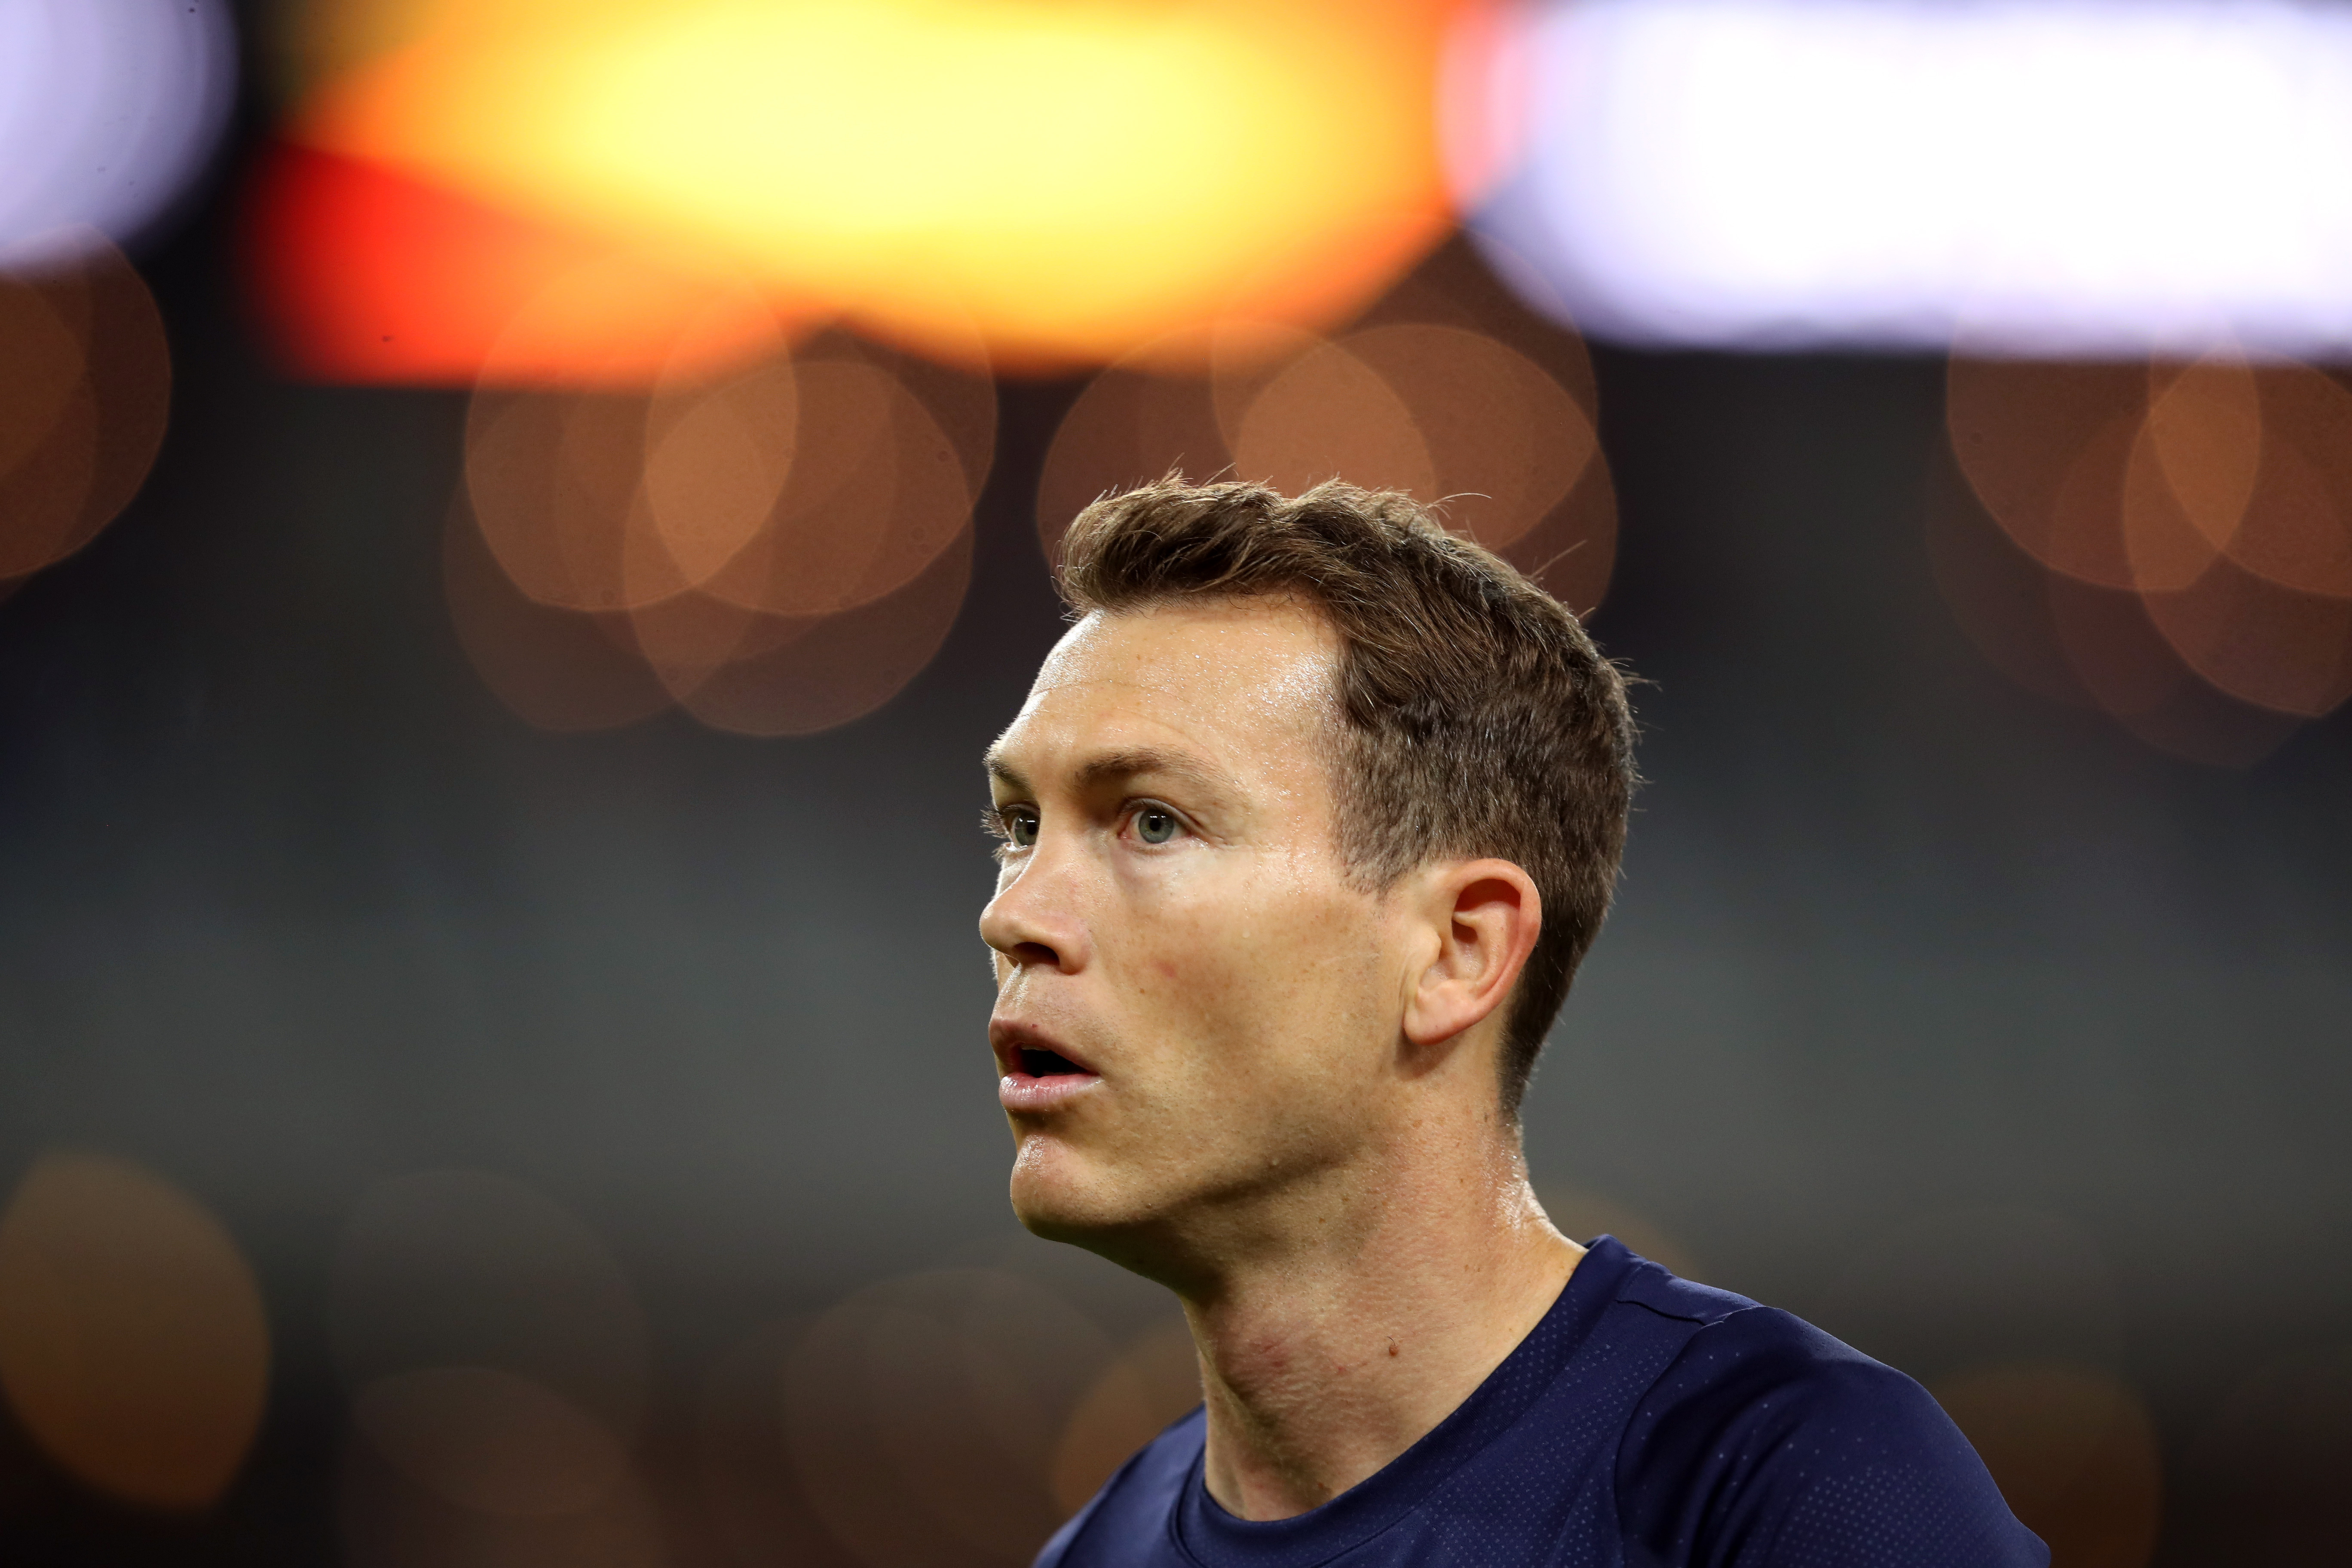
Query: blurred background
(519,517)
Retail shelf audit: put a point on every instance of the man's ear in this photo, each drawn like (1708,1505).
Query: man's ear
(1485,916)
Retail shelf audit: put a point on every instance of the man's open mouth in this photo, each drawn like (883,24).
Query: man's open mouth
(1046,1064)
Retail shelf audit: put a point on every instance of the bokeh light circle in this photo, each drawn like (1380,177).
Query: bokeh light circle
(2045,447)
(2271,646)
(2193,470)
(790,676)
(1130,425)
(2296,529)
(715,460)
(877,492)
(490,1441)
(915,1437)
(1152,1382)
(1507,442)
(2196,521)
(83,415)
(470,1268)
(779,548)
(1328,415)
(1440,410)
(560,670)
(133,1347)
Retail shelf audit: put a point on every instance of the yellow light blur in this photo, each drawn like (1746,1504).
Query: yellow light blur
(1070,178)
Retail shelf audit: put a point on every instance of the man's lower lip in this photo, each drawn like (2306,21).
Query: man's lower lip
(1026,1091)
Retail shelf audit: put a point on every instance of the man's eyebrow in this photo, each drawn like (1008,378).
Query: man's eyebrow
(1113,766)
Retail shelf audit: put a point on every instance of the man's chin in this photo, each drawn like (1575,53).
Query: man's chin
(1058,1194)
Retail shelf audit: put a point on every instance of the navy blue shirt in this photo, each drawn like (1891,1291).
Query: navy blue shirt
(1645,1421)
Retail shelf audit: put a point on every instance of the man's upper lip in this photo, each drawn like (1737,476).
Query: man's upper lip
(1011,1037)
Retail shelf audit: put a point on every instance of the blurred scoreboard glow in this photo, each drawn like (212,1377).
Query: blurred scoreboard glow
(2068,177)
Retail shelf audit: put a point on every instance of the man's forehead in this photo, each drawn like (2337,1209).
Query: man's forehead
(1219,678)
(1282,651)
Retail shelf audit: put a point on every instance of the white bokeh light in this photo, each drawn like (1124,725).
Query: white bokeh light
(107,107)
(2039,176)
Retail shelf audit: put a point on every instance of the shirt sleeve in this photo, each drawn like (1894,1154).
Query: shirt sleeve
(1766,1444)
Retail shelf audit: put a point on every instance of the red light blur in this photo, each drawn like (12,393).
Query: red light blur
(362,273)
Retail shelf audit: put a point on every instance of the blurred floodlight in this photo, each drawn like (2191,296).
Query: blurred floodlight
(1070,178)
(107,107)
(2066,177)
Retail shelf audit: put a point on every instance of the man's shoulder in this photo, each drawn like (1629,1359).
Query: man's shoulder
(1734,1352)
(1766,1440)
(1134,1505)
(1643,1283)
(1730,1345)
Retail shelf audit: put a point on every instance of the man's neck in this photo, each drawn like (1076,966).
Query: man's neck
(1324,1360)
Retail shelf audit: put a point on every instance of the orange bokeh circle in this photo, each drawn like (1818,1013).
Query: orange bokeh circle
(133,1348)
(82,416)
(1442,411)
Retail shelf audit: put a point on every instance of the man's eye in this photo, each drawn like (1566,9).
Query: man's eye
(1154,825)
(1021,828)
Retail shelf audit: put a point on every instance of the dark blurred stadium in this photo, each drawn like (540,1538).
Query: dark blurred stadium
(517,521)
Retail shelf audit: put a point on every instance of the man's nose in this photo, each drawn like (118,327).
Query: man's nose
(1033,920)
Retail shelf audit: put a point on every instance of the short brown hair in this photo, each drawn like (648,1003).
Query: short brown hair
(1478,716)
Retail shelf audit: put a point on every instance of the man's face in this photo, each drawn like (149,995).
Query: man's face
(1196,1008)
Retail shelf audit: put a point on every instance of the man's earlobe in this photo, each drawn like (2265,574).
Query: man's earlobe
(1485,916)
